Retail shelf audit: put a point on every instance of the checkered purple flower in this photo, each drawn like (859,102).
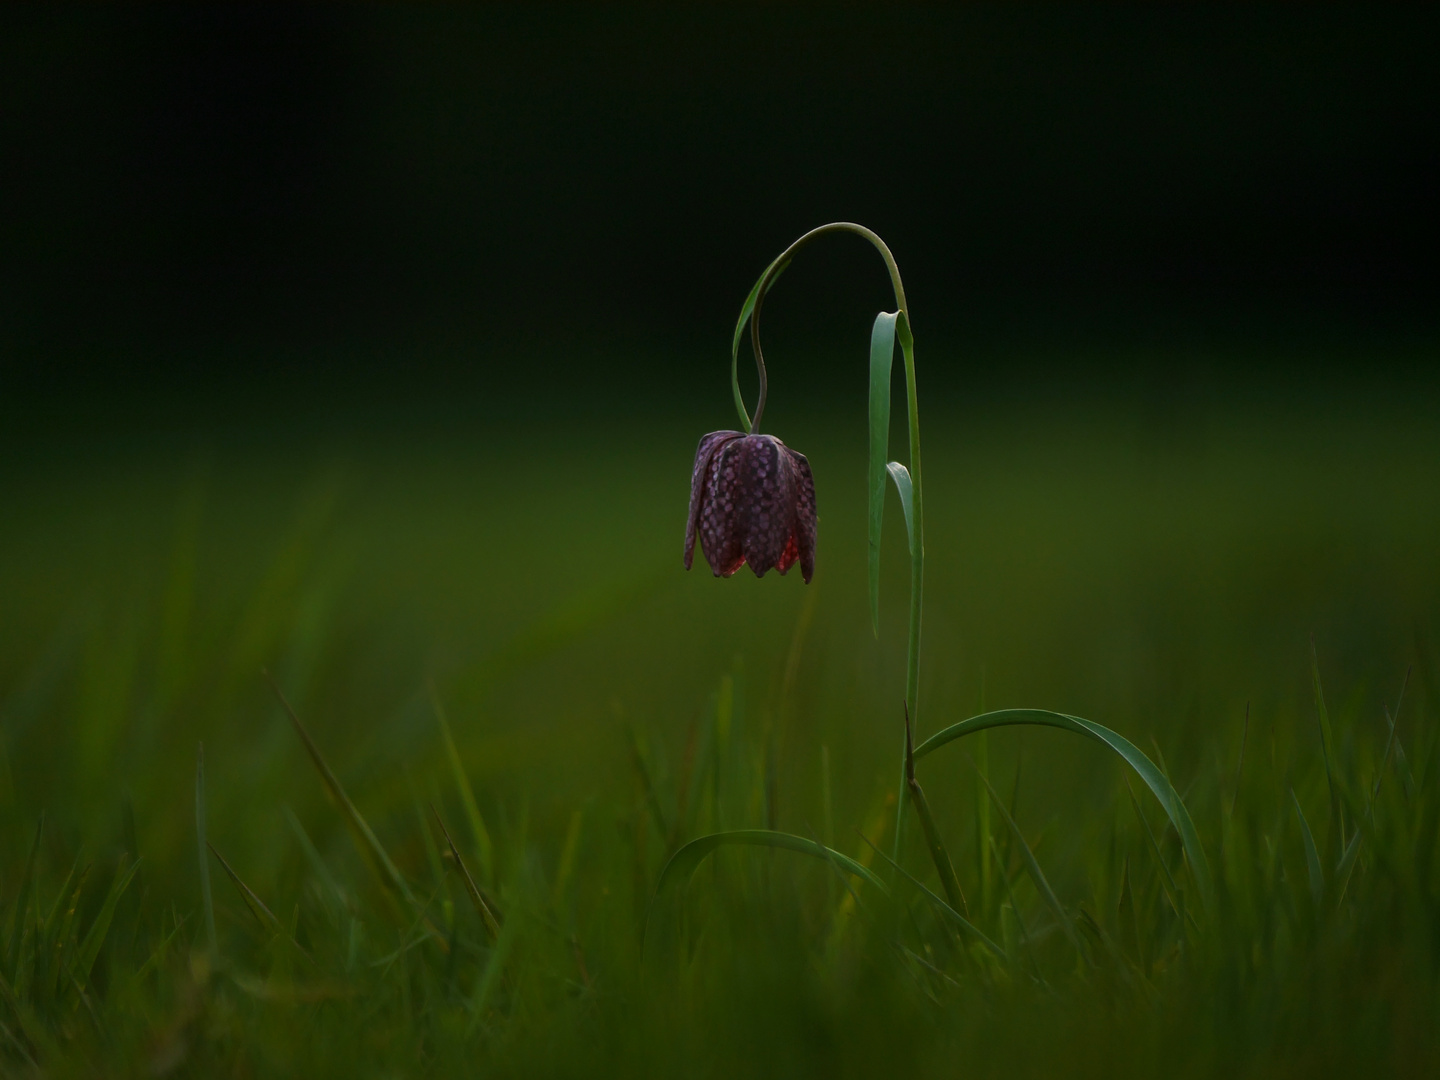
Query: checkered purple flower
(752,499)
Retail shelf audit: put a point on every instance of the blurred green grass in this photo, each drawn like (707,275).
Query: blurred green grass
(1151,565)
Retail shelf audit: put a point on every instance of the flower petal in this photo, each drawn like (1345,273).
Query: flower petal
(767,510)
(806,522)
(720,537)
(703,455)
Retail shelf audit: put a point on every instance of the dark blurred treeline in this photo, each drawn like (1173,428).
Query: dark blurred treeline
(191,192)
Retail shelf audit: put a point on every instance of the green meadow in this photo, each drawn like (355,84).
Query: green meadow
(512,707)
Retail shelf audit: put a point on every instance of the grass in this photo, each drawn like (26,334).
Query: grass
(511,708)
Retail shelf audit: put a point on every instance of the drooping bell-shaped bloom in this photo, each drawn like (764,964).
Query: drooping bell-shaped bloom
(752,499)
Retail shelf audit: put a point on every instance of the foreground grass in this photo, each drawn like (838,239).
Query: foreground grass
(511,708)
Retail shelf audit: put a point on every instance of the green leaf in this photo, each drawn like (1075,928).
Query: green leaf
(882,356)
(683,863)
(745,311)
(901,475)
(1154,779)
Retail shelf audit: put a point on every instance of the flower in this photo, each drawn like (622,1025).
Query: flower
(752,499)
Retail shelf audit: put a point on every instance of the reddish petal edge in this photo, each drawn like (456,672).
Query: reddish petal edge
(806,521)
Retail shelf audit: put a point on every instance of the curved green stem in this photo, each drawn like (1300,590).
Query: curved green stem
(779,265)
(907,344)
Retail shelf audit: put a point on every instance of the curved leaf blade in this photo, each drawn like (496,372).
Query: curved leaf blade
(1155,780)
(882,357)
(901,475)
(683,863)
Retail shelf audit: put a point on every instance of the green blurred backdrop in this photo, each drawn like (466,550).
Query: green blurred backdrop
(370,346)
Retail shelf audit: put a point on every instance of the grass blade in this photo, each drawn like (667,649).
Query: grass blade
(494,968)
(1154,779)
(943,866)
(1390,743)
(642,776)
(945,909)
(207,898)
(984,868)
(1026,941)
(566,865)
(365,840)
(882,357)
(492,924)
(1167,880)
(27,883)
(1327,748)
(1352,850)
(1129,922)
(312,855)
(467,795)
(683,863)
(263,915)
(95,936)
(1042,886)
(1312,855)
(1240,762)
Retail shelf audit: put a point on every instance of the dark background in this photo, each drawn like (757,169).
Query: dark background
(305,200)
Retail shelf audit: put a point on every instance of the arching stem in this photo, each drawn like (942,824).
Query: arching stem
(917,561)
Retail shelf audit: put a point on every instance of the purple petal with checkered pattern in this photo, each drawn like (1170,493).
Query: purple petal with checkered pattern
(752,500)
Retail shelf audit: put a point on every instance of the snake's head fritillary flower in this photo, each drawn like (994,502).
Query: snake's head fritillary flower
(752,499)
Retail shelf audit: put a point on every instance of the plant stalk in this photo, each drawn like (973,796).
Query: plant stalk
(917,560)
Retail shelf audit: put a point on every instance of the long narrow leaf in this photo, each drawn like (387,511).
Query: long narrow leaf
(901,475)
(1154,779)
(882,355)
